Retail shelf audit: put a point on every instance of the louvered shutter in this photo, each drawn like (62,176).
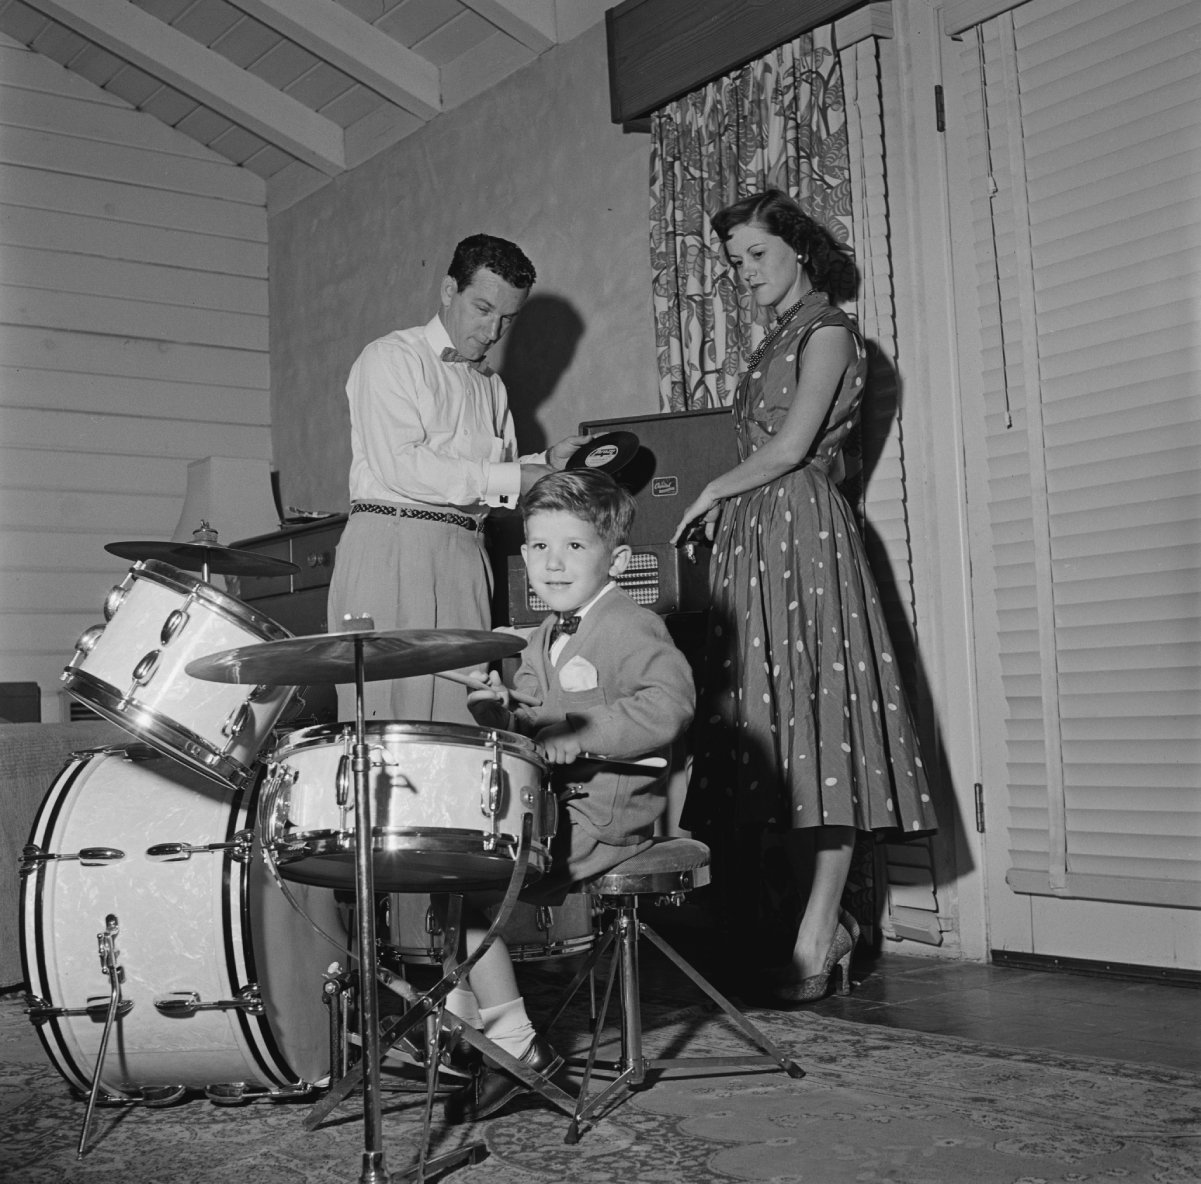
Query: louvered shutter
(1085,120)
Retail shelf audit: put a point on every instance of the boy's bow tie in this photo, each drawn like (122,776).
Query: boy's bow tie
(566,623)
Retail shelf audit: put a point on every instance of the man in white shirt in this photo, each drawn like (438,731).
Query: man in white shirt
(432,451)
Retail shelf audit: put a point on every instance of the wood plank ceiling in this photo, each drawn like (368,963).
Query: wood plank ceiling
(295,91)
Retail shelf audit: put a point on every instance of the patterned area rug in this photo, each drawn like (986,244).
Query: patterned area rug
(875,1105)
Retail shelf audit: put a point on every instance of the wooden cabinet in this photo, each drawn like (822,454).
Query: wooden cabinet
(298,600)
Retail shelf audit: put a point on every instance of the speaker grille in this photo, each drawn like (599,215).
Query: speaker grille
(640,581)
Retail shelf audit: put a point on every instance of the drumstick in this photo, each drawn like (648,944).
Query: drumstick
(645,762)
(477,684)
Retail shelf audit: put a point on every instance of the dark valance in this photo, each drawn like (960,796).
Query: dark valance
(662,49)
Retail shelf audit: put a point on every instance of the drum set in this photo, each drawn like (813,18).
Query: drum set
(216,861)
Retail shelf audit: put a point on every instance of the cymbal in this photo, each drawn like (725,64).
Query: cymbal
(218,558)
(330,657)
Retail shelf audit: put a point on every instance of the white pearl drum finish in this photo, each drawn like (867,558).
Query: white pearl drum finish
(447,805)
(193,922)
(131,670)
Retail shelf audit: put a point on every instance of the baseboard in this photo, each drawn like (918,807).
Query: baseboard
(1175,976)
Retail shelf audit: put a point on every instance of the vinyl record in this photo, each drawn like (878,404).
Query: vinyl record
(609,453)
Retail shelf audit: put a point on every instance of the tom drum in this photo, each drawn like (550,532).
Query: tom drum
(532,933)
(132,671)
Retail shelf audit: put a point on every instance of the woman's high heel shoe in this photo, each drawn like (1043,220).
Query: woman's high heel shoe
(817,986)
(849,923)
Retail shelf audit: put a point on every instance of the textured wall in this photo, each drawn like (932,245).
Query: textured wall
(535,160)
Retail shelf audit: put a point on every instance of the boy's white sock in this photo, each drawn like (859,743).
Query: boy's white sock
(508,1026)
(462,1001)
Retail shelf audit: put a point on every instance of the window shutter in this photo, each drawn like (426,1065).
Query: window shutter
(1086,164)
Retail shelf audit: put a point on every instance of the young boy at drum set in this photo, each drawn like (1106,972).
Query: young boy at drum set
(599,678)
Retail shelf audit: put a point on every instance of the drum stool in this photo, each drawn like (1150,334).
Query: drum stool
(669,868)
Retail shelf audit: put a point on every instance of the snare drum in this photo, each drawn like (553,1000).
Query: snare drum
(131,670)
(447,803)
(222,977)
(532,933)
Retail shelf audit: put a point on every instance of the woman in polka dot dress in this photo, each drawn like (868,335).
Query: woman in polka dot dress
(803,726)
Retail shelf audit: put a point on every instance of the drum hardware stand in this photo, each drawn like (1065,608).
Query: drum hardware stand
(335,994)
(107,942)
(374,1170)
(428,1001)
(429,1007)
(622,934)
(291,661)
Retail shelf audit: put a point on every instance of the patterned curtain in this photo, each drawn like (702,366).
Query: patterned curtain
(779,121)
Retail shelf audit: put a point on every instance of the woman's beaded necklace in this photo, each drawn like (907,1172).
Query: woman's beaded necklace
(781,324)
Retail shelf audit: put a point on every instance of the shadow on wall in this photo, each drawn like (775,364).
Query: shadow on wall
(538,350)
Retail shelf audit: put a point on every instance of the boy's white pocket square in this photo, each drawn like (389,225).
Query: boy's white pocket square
(578,675)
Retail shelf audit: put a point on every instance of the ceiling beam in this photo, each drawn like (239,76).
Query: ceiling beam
(532,22)
(370,57)
(176,59)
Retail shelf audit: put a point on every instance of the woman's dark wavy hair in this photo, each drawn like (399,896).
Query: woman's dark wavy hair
(829,263)
(498,255)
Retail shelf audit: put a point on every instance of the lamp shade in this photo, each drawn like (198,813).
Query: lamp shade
(232,494)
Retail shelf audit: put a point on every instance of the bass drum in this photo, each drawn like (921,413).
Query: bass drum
(222,977)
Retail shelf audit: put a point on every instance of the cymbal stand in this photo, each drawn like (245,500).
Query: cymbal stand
(374,1170)
(205,536)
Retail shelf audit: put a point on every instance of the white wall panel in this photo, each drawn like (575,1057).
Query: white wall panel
(133,340)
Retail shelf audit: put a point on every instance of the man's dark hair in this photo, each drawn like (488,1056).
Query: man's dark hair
(587,494)
(498,255)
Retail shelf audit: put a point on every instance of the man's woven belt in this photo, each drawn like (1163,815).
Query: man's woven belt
(425,515)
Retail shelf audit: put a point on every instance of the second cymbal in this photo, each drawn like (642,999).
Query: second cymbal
(331,657)
(219,559)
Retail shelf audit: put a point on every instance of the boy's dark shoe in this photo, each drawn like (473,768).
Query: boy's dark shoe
(492,1089)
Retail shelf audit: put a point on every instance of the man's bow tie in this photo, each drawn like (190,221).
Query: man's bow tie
(567,623)
(450,354)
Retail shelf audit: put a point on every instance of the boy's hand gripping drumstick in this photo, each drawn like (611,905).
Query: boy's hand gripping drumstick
(478,684)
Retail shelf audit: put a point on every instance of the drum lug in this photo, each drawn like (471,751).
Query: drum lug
(115,598)
(39,1010)
(32,856)
(342,781)
(185,1003)
(87,642)
(176,620)
(143,672)
(239,849)
(237,720)
(273,808)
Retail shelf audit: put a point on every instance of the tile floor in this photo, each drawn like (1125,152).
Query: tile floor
(1054,1010)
